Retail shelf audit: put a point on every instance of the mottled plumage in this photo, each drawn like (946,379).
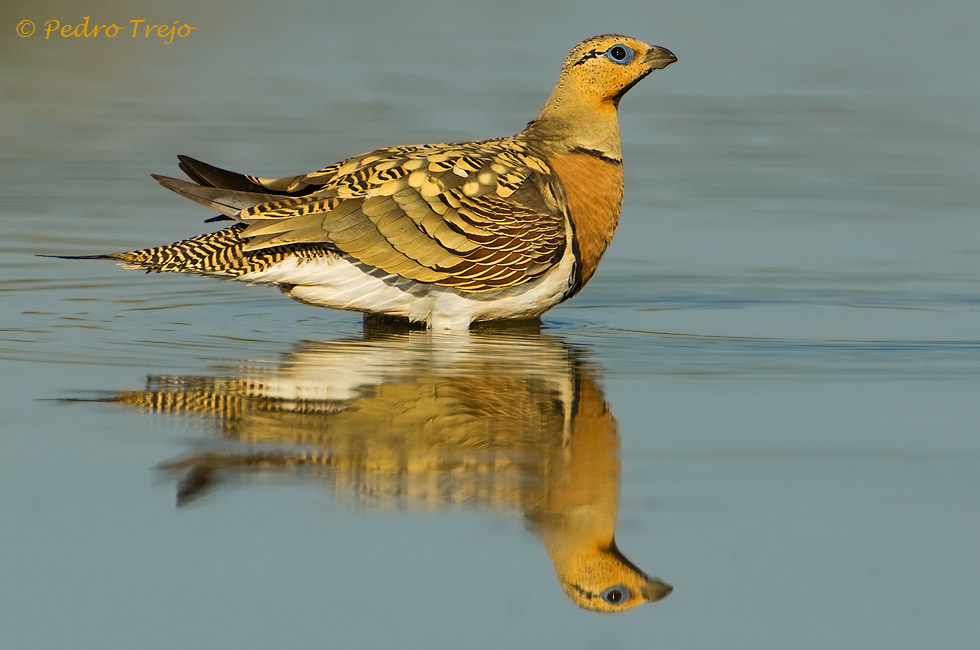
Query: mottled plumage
(445,234)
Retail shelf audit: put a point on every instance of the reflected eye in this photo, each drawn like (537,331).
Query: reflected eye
(620,54)
(616,595)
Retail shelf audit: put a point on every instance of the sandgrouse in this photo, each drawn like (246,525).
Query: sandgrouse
(440,234)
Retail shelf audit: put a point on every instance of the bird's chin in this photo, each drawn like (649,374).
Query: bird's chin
(618,96)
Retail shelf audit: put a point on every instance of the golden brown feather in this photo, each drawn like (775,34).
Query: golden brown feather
(449,229)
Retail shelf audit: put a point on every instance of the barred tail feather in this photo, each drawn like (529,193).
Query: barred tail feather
(218,254)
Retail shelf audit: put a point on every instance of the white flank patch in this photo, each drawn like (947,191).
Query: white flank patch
(341,284)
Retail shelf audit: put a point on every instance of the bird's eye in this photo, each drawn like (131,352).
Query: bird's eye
(620,54)
(616,595)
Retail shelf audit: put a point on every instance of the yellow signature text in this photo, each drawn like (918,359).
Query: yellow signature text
(136,28)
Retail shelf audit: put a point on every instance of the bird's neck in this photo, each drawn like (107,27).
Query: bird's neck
(578,514)
(572,121)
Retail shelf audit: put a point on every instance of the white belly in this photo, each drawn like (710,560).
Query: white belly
(342,284)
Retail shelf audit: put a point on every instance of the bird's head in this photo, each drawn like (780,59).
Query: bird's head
(601,69)
(581,111)
(606,581)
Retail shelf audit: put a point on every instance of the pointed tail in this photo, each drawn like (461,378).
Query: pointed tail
(218,254)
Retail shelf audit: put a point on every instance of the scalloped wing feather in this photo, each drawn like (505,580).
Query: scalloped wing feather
(443,214)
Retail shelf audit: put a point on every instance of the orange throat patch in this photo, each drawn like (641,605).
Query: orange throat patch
(594,189)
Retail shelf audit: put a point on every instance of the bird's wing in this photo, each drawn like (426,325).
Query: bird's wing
(477,217)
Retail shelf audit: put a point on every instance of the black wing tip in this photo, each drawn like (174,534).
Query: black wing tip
(192,162)
(192,168)
(210,176)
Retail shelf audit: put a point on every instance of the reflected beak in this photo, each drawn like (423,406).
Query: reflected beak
(659,57)
(655,589)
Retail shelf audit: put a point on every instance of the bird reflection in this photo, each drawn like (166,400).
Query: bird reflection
(507,420)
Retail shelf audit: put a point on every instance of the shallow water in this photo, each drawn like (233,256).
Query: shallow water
(781,347)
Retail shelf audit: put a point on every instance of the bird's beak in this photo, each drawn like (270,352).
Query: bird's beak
(655,589)
(659,57)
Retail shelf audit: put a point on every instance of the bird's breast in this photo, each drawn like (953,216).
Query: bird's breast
(594,190)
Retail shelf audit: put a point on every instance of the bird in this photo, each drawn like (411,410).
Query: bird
(441,235)
(510,421)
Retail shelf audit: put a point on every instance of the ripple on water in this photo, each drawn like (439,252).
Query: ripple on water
(747,325)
